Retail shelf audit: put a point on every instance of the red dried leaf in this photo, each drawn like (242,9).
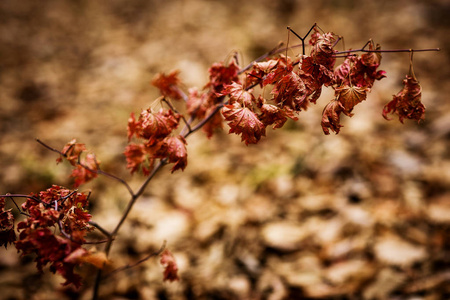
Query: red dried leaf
(135,155)
(290,91)
(244,121)
(237,93)
(271,114)
(72,150)
(86,171)
(174,148)
(283,67)
(7,235)
(359,71)
(407,103)
(259,71)
(371,59)
(56,207)
(168,84)
(322,75)
(133,128)
(156,126)
(331,117)
(221,75)
(171,268)
(349,96)
(322,49)
(81,255)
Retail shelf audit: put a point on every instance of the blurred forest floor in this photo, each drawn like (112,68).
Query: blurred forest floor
(361,215)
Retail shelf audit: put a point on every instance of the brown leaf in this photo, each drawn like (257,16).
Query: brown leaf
(407,103)
(349,96)
(331,117)
(171,268)
(174,148)
(168,84)
(244,121)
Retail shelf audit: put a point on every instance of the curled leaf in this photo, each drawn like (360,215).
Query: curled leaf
(135,155)
(407,103)
(331,117)
(168,84)
(7,235)
(72,150)
(371,59)
(237,93)
(171,268)
(349,96)
(156,126)
(244,121)
(271,114)
(174,148)
(322,49)
(290,91)
(86,171)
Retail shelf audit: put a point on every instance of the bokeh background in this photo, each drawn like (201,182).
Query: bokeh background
(360,215)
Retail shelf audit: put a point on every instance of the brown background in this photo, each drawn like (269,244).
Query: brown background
(364,213)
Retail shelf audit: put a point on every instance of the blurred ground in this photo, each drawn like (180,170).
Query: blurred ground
(361,215)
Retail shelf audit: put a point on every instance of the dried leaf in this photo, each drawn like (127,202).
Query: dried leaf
(349,96)
(331,117)
(244,121)
(237,93)
(407,103)
(171,268)
(168,84)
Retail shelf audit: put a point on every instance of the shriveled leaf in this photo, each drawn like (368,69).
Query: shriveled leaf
(372,59)
(7,234)
(259,72)
(86,171)
(349,96)
(221,75)
(133,127)
(197,103)
(72,150)
(407,103)
(135,155)
(81,255)
(283,67)
(170,265)
(174,148)
(322,49)
(331,117)
(271,114)
(237,93)
(156,126)
(168,84)
(244,121)
(290,91)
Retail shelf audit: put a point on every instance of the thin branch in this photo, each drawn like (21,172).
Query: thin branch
(102,230)
(18,208)
(387,50)
(130,205)
(304,37)
(50,148)
(98,171)
(67,196)
(28,197)
(129,266)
